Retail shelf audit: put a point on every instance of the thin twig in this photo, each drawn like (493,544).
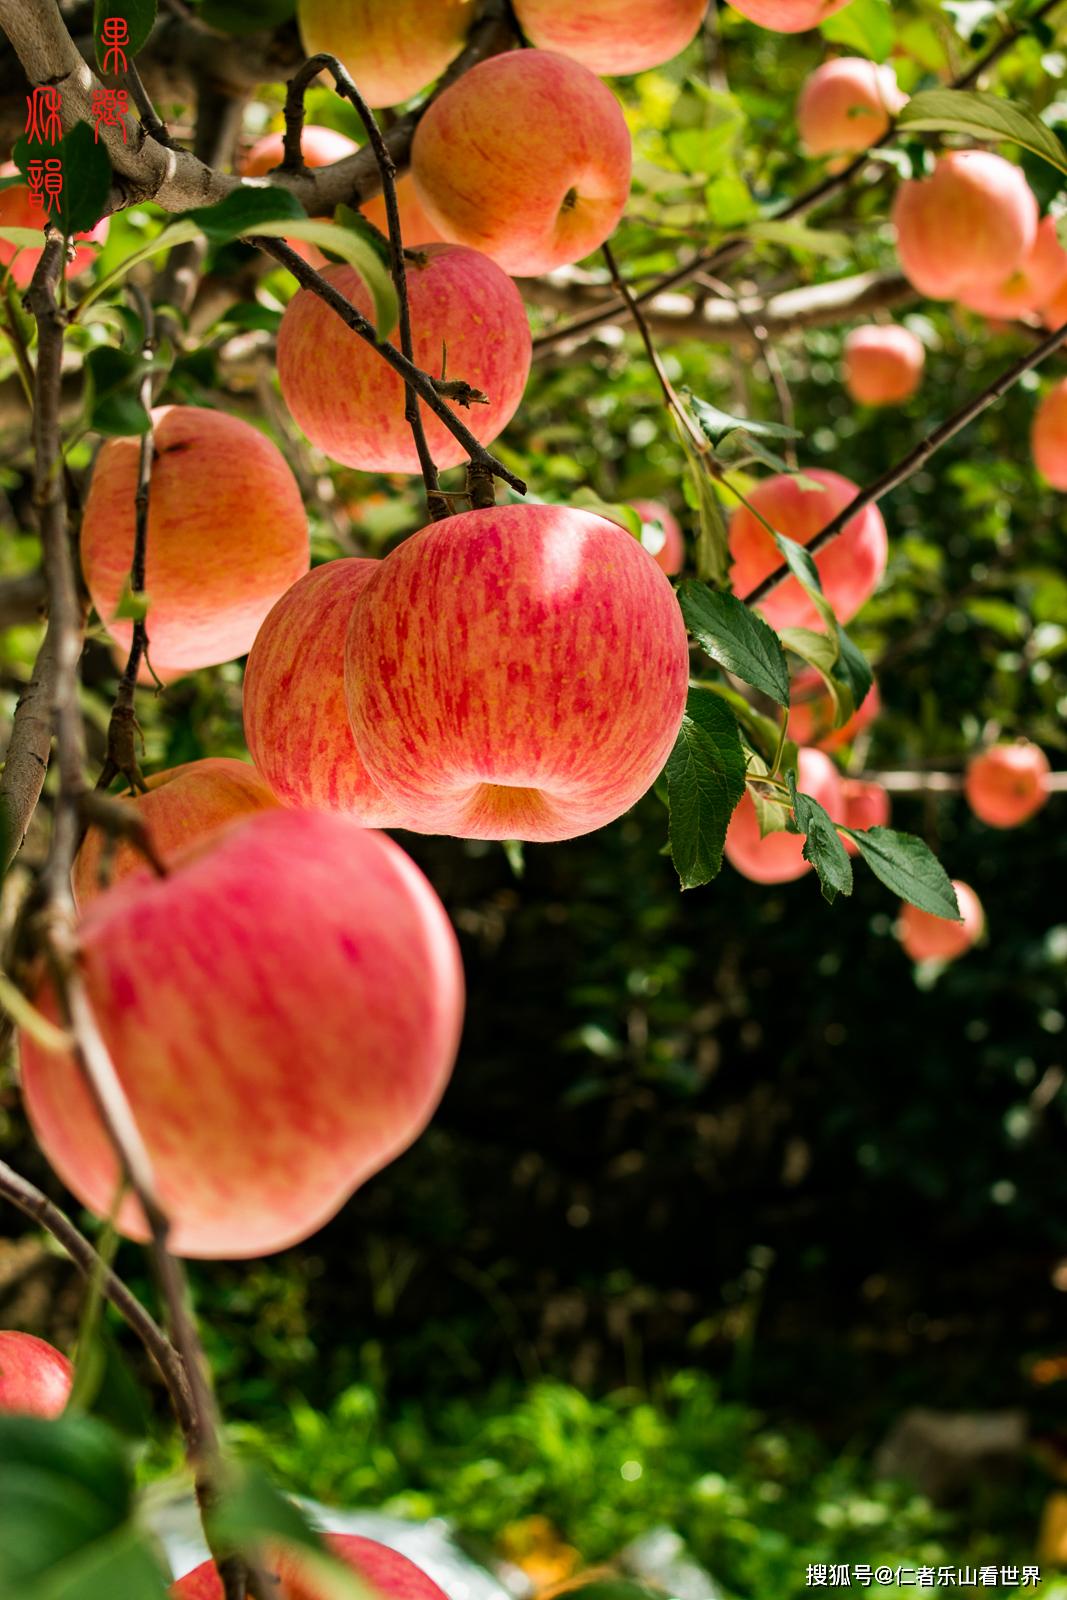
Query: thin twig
(123,731)
(37,1206)
(18,344)
(431,390)
(897,474)
(293,161)
(151,121)
(773,365)
(670,394)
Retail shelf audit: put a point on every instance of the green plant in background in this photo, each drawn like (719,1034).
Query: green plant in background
(722,1185)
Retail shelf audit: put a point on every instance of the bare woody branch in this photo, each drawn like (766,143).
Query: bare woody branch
(21,600)
(900,782)
(177,180)
(903,469)
(678,316)
(37,1206)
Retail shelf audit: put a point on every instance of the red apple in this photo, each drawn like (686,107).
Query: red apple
(321,147)
(846,105)
(788,16)
(929,938)
(967,227)
(550,184)
(1006,784)
(671,553)
(883,364)
(811,713)
(385,1572)
(182,806)
(16,211)
(296,717)
(416,229)
(465,314)
(863,805)
(779,857)
(1048,436)
(612,36)
(283,1011)
(35,1379)
(849,566)
(1034,282)
(391,49)
(516,673)
(227,535)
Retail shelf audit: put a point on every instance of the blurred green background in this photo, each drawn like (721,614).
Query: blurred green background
(721,1186)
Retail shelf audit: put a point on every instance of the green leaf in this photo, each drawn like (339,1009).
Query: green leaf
(86,179)
(613,511)
(356,222)
(802,565)
(123,1563)
(822,845)
(130,606)
(712,551)
(23,238)
(820,650)
(909,868)
(114,404)
(245,210)
(982,116)
(736,638)
(177,233)
(865,26)
(761,733)
(705,780)
(66,1502)
(251,315)
(853,669)
(140,16)
(716,425)
(253,1512)
(353,248)
(798,236)
(246,16)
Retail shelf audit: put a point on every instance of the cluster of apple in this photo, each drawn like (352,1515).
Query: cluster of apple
(1004,786)
(970,232)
